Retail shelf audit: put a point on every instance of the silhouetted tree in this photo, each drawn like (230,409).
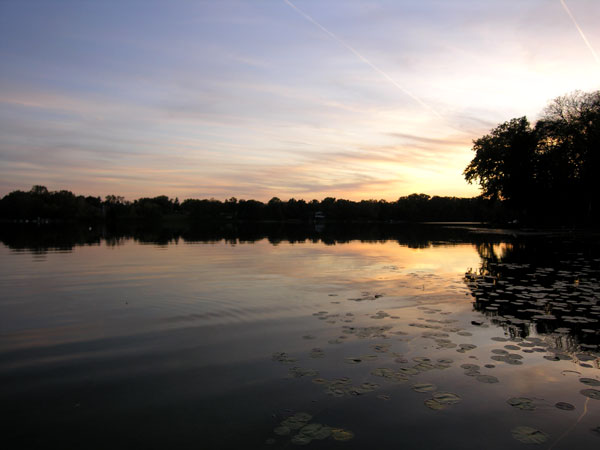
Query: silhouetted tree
(547,172)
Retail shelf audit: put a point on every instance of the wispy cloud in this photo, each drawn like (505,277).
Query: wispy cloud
(581,33)
(385,75)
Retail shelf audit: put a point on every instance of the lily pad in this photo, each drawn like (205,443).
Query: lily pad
(529,435)
(447,398)
(469,366)
(282,357)
(339,434)
(565,406)
(315,431)
(487,379)
(296,421)
(301,439)
(465,347)
(590,381)
(298,372)
(282,431)
(424,387)
(591,393)
(523,403)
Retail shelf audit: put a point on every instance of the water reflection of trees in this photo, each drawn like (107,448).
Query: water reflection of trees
(43,238)
(544,285)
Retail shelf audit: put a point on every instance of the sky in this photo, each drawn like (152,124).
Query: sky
(300,99)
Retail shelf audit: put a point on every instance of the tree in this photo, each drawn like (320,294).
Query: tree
(569,148)
(545,172)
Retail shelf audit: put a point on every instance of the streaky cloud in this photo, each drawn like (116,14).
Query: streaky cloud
(589,46)
(364,59)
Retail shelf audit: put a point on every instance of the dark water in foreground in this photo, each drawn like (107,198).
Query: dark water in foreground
(432,338)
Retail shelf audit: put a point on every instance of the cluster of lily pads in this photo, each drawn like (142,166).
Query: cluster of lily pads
(494,296)
(301,431)
(561,302)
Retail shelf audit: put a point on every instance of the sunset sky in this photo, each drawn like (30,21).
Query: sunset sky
(262,98)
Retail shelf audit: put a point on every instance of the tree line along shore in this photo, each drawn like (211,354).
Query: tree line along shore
(41,205)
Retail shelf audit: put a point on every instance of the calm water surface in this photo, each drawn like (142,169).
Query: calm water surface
(451,342)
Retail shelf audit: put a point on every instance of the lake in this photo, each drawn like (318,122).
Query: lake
(400,337)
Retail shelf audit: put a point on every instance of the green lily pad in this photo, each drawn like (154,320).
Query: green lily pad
(590,381)
(529,435)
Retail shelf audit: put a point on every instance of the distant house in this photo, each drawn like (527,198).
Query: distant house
(319,215)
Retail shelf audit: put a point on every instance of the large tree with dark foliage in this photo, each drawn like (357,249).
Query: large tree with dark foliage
(546,172)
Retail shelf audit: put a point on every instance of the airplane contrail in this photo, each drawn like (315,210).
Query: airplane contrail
(566,8)
(362,58)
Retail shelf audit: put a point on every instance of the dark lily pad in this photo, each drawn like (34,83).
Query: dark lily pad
(565,406)
(423,387)
(529,435)
(469,366)
(339,434)
(442,400)
(296,421)
(447,398)
(282,431)
(590,381)
(282,357)
(523,403)
(487,379)
(499,351)
(591,393)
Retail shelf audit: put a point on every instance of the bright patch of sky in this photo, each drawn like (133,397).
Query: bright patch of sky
(263,98)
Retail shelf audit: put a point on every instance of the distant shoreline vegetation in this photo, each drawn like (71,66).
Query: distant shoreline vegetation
(44,206)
